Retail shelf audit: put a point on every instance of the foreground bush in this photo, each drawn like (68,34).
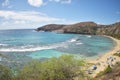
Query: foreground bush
(5,73)
(66,67)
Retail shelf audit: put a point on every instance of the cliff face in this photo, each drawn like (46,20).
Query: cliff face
(50,27)
(83,28)
(109,29)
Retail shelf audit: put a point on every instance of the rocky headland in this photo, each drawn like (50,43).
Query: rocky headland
(90,28)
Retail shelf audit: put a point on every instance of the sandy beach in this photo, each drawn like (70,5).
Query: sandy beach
(103,58)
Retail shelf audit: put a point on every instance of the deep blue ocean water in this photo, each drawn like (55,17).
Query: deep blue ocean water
(25,44)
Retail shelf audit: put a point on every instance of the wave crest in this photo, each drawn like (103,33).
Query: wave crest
(29,48)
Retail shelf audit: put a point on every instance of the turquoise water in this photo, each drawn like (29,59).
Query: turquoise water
(45,53)
(24,45)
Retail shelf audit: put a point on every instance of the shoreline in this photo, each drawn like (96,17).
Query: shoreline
(103,58)
(110,52)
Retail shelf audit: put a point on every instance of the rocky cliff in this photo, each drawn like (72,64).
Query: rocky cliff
(83,28)
(109,29)
(50,27)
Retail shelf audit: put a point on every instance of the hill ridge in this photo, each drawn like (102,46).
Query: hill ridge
(89,27)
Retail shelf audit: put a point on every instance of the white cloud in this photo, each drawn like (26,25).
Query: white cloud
(62,1)
(67,1)
(24,19)
(31,16)
(12,18)
(6,3)
(20,22)
(55,0)
(4,23)
(38,3)
(17,25)
(35,3)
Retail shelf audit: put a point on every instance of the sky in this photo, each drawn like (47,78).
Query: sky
(25,14)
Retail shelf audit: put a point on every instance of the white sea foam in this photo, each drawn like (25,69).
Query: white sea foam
(74,39)
(27,46)
(3,44)
(30,48)
(89,36)
(79,43)
(23,50)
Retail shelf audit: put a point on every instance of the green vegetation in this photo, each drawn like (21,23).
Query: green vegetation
(115,36)
(5,73)
(107,70)
(0,54)
(117,54)
(66,67)
(112,75)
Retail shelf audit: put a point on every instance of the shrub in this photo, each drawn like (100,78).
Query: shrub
(115,36)
(117,54)
(107,70)
(5,73)
(66,67)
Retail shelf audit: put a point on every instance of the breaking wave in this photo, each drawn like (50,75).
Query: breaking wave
(32,48)
(29,48)
(74,39)
(89,36)
(79,43)
(3,44)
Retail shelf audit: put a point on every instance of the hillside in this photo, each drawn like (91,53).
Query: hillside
(50,27)
(112,75)
(84,28)
(109,29)
(81,28)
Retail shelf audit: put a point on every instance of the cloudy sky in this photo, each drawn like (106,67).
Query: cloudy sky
(18,14)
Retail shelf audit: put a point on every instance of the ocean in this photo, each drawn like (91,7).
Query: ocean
(23,45)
